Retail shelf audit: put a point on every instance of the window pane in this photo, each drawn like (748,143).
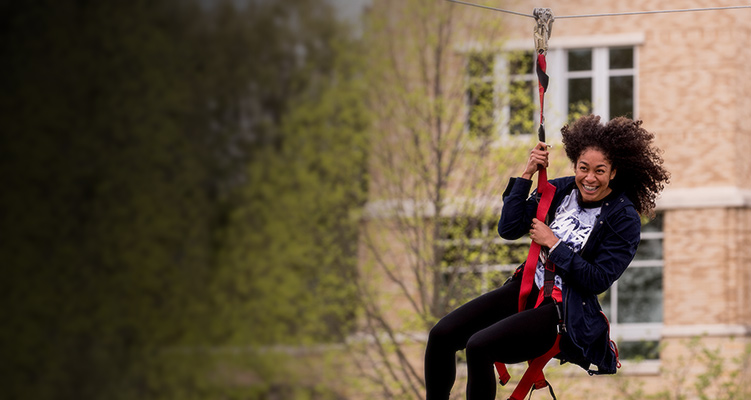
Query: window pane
(480,65)
(640,295)
(621,58)
(654,224)
(642,350)
(580,60)
(579,97)
(480,98)
(621,96)
(521,107)
(649,250)
(469,255)
(606,303)
(521,62)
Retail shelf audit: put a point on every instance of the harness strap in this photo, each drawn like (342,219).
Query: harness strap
(534,378)
(549,289)
(534,375)
(546,191)
(542,86)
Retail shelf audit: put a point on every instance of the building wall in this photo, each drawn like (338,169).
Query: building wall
(694,93)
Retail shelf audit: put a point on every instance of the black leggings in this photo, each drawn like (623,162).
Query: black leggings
(491,330)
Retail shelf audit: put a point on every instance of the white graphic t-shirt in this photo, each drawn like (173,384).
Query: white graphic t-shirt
(572,224)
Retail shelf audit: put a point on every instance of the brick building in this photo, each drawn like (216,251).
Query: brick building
(685,76)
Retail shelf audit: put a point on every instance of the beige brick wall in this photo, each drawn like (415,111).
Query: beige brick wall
(701,276)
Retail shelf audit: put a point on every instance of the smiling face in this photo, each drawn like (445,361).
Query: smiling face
(593,175)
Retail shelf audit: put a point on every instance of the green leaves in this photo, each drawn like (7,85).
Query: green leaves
(180,177)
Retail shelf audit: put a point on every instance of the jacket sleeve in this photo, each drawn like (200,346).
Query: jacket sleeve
(614,244)
(518,210)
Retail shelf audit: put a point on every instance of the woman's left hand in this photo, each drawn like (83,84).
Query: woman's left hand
(542,234)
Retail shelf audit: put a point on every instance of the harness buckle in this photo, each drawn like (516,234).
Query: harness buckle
(561,326)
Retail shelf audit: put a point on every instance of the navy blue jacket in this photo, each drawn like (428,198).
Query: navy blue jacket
(608,251)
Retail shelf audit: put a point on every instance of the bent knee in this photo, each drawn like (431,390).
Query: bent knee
(477,348)
(440,332)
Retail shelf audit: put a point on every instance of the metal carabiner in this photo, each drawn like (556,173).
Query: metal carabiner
(543,28)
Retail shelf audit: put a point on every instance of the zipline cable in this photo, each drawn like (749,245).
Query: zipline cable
(492,8)
(604,14)
(652,12)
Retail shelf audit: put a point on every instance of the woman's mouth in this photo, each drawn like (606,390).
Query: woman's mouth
(590,188)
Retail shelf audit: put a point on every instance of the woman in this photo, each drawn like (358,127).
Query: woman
(592,236)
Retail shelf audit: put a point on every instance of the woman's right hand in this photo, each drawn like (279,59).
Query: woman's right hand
(537,157)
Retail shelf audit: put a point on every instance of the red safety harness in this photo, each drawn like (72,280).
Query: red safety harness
(534,375)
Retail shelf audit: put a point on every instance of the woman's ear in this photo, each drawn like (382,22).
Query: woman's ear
(612,174)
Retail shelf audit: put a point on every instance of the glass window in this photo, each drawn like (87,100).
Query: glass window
(521,62)
(640,295)
(600,80)
(639,350)
(580,60)
(621,84)
(579,97)
(622,57)
(634,303)
(621,96)
(480,99)
(522,88)
(521,107)
(480,94)
(580,83)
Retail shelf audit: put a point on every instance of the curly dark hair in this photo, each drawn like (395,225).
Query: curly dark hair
(628,147)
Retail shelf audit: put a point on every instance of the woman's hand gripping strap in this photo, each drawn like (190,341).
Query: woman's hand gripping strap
(546,191)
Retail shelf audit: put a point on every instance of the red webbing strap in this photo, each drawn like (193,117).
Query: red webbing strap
(556,294)
(534,375)
(542,83)
(503,375)
(546,191)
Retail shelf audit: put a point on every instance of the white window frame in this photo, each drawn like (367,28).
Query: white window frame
(556,97)
(630,332)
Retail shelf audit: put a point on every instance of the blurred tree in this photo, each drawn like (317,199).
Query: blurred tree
(296,219)
(179,177)
(107,216)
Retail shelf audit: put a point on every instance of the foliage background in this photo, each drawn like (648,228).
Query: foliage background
(181,180)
